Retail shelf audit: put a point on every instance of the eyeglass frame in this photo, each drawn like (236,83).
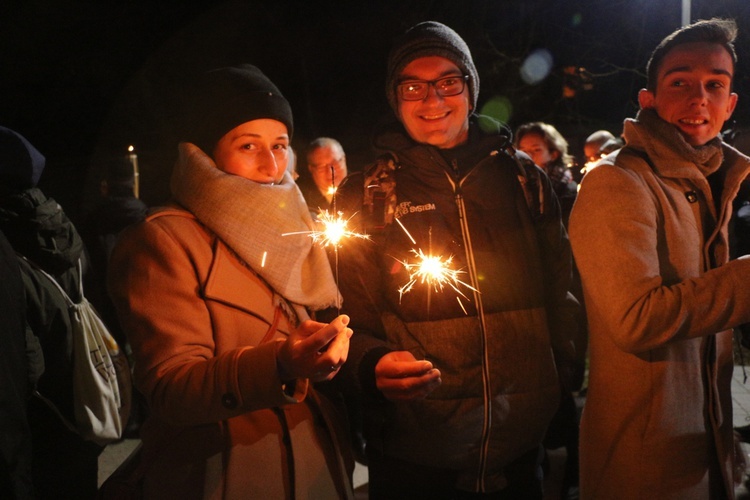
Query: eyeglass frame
(336,162)
(432,83)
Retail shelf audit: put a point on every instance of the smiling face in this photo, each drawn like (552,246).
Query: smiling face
(693,90)
(440,121)
(255,150)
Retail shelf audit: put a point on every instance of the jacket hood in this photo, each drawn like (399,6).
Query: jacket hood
(21,164)
(38,228)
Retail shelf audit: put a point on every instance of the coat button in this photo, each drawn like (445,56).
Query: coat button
(229,401)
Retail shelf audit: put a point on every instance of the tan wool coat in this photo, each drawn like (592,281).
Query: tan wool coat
(662,299)
(204,331)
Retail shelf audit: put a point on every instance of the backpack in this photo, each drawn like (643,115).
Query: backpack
(102,386)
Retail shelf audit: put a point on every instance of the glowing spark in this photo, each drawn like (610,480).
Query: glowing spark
(333,230)
(458,299)
(434,271)
(263,260)
(331,190)
(413,242)
(590,164)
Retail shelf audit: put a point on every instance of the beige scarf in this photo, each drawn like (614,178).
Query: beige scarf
(251,219)
(707,158)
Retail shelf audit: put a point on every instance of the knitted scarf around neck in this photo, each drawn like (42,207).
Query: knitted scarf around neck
(707,158)
(251,219)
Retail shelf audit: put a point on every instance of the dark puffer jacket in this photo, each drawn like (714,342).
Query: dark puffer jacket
(494,347)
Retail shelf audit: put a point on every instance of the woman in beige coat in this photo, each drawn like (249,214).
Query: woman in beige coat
(216,301)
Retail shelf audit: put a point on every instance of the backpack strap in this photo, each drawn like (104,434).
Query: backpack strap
(54,281)
(380,201)
(530,179)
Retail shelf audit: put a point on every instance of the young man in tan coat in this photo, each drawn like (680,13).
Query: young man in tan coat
(649,234)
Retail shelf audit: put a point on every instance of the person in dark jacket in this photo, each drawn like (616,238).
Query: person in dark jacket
(549,149)
(63,464)
(326,166)
(117,208)
(458,382)
(15,373)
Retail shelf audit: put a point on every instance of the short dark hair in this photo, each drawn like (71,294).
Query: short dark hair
(719,31)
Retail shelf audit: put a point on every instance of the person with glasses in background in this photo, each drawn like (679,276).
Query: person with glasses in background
(457,386)
(326,163)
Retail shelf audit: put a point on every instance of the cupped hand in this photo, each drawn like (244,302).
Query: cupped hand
(314,350)
(400,376)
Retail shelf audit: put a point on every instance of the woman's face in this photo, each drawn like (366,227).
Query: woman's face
(256,150)
(534,146)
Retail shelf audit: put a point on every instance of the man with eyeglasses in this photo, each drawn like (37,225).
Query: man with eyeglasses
(458,379)
(326,163)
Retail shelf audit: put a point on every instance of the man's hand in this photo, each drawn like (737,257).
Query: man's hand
(315,350)
(400,377)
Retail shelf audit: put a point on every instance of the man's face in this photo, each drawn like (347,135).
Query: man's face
(693,91)
(327,167)
(440,121)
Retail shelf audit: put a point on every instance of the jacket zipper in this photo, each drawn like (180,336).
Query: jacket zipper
(487,392)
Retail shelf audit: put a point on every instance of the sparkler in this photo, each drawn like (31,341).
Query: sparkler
(433,270)
(333,230)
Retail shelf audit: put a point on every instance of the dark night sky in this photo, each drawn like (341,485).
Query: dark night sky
(84,79)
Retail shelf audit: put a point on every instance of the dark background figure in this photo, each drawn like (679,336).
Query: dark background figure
(326,168)
(15,388)
(63,464)
(739,238)
(117,208)
(549,150)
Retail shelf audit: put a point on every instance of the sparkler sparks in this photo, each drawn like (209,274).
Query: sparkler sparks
(434,271)
(333,230)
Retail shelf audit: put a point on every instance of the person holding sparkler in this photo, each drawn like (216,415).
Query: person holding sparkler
(460,299)
(217,305)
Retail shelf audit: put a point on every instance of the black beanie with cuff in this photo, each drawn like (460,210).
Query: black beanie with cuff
(224,98)
(429,38)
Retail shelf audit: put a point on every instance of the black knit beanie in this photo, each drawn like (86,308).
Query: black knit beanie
(224,98)
(425,39)
(21,164)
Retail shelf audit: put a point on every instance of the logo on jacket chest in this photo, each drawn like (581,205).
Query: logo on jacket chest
(406,207)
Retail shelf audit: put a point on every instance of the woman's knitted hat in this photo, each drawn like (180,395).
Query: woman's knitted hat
(425,39)
(224,98)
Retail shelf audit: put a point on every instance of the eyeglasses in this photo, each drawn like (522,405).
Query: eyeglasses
(416,90)
(326,167)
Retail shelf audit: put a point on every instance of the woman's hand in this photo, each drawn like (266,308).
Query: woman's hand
(315,350)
